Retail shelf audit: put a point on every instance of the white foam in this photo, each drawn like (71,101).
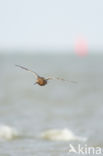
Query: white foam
(7,132)
(61,135)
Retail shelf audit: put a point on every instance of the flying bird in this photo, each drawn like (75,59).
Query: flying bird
(42,81)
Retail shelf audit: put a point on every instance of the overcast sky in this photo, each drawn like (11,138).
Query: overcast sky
(50,24)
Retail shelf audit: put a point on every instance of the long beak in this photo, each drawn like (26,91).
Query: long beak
(35,83)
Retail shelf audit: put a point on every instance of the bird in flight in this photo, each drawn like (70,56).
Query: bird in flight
(41,80)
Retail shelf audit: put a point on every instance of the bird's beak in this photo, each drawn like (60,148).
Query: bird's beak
(35,83)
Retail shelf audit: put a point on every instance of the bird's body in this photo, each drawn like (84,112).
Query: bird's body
(41,81)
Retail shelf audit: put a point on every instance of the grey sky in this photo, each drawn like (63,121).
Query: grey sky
(50,24)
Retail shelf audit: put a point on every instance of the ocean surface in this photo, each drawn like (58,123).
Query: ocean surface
(44,121)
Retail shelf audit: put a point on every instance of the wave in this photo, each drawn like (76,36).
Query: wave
(8,132)
(61,135)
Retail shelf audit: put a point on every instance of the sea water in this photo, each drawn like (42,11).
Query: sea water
(42,121)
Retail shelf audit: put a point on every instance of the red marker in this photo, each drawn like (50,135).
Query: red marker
(81,47)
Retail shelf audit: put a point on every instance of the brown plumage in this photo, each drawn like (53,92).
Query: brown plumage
(41,80)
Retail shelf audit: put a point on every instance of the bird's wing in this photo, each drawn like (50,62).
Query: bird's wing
(57,78)
(35,74)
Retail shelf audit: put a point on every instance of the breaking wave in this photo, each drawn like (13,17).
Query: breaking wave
(61,135)
(8,132)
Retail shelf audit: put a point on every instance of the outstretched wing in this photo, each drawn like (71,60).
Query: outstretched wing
(35,74)
(57,78)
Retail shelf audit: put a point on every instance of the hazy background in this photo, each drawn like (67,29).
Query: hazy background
(50,25)
(30,31)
